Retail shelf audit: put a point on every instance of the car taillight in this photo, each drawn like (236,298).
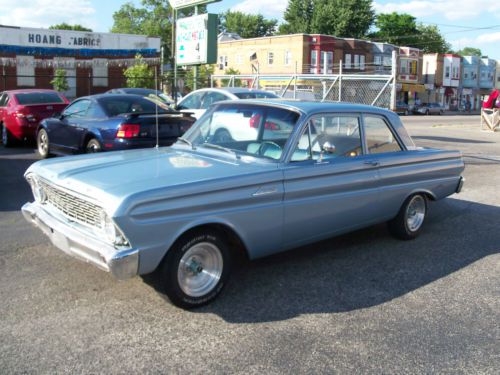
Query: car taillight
(128,131)
(254,121)
(27,116)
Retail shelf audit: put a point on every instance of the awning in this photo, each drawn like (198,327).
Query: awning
(413,87)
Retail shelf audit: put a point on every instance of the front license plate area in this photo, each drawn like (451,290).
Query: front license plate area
(59,240)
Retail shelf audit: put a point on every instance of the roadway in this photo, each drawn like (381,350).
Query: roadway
(359,303)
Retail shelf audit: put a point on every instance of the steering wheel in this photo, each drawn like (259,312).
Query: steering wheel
(268,146)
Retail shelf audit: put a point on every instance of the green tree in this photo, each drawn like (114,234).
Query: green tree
(60,82)
(396,28)
(430,40)
(153,18)
(470,51)
(140,74)
(231,71)
(65,26)
(298,16)
(204,73)
(247,25)
(342,18)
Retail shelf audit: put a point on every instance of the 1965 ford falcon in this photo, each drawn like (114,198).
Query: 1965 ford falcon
(251,177)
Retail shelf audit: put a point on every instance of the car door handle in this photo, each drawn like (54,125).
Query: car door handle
(372,163)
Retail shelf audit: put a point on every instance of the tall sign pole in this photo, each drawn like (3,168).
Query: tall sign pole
(195,68)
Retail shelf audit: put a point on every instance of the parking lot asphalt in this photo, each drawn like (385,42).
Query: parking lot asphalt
(360,303)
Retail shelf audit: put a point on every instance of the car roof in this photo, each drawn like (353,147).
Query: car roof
(22,91)
(134,89)
(309,107)
(231,90)
(107,96)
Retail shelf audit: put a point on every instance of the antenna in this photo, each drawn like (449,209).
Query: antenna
(156,110)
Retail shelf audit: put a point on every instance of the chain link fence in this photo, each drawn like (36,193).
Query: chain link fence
(377,90)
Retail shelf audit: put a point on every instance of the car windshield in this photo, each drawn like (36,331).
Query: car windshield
(117,105)
(39,98)
(256,95)
(258,130)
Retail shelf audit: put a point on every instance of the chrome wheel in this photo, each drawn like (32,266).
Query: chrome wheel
(415,213)
(93,146)
(43,143)
(200,269)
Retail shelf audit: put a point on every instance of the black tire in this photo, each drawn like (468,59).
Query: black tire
(184,265)
(43,144)
(408,223)
(7,137)
(222,136)
(93,146)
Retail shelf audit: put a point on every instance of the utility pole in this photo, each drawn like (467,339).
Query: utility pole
(174,58)
(195,68)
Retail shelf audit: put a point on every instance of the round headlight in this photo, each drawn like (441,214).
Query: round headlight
(108,227)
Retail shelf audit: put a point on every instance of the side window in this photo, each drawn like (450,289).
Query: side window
(379,137)
(3,100)
(77,109)
(95,111)
(191,102)
(212,97)
(329,136)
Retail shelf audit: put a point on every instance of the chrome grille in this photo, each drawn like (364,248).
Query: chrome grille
(72,207)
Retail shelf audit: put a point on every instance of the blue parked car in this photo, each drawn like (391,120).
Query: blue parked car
(109,122)
(285,174)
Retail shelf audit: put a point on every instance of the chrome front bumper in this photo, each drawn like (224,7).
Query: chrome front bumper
(123,264)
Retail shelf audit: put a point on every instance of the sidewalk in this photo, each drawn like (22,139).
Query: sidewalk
(463,113)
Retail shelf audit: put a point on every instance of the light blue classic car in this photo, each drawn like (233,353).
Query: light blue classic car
(250,177)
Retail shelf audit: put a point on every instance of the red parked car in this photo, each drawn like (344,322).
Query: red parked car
(22,110)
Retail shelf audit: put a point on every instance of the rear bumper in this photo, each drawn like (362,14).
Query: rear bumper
(24,130)
(123,264)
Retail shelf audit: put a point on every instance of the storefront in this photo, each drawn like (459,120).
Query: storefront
(93,62)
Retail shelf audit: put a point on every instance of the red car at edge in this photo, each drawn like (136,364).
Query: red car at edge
(22,110)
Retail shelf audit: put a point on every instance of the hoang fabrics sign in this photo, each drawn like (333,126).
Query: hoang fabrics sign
(30,41)
(196,40)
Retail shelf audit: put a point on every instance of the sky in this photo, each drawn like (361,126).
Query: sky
(473,23)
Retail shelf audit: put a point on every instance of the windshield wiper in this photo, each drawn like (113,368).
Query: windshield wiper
(186,142)
(221,148)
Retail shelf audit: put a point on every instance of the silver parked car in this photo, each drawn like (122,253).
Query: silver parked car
(307,171)
(197,102)
(429,109)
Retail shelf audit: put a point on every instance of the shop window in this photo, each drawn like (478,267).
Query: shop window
(356,61)
(270,58)
(347,63)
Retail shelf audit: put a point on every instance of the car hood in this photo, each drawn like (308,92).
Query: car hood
(111,178)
